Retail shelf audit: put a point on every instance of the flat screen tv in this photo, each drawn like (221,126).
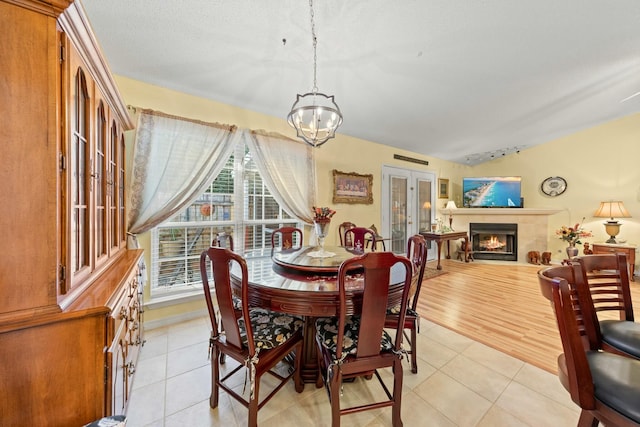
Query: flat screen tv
(492,192)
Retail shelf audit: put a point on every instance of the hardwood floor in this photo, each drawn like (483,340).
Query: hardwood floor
(500,305)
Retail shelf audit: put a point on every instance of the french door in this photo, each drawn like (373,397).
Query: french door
(408,205)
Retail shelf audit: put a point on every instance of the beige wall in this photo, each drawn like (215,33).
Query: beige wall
(598,164)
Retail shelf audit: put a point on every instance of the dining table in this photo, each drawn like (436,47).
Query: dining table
(303,282)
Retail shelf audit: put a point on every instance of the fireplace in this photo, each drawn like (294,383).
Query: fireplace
(494,241)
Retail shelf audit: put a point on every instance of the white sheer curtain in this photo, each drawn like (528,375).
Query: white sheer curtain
(288,169)
(174,160)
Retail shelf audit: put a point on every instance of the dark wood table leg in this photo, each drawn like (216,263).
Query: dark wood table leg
(466,249)
(439,267)
(448,250)
(309,351)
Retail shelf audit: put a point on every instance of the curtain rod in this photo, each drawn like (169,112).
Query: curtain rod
(139,110)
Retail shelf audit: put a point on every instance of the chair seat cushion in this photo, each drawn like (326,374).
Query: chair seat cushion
(270,328)
(327,331)
(237,303)
(616,382)
(396,310)
(622,334)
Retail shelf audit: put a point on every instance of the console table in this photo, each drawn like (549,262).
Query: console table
(439,238)
(611,248)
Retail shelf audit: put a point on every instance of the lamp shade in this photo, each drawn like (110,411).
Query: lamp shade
(612,209)
(451,205)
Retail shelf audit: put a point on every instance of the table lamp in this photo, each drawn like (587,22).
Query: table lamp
(610,210)
(449,208)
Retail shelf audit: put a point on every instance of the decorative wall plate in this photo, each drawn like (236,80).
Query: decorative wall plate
(553,186)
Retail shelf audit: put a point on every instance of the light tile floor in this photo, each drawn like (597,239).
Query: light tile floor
(459,382)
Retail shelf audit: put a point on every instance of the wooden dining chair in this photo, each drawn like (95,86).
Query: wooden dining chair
(258,341)
(223,240)
(604,385)
(347,350)
(379,238)
(287,237)
(608,291)
(356,238)
(341,229)
(417,253)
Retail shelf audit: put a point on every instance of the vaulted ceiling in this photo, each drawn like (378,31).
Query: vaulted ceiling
(460,80)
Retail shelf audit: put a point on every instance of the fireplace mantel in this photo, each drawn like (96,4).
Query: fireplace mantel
(500,211)
(533,227)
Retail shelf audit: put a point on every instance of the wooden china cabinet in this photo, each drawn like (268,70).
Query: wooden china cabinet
(70,290)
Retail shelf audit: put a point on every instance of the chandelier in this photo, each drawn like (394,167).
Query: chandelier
(314,115)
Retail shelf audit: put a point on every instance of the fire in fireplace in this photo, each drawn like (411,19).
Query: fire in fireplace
(494,241)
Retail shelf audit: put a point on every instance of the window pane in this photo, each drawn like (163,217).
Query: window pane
(178,243)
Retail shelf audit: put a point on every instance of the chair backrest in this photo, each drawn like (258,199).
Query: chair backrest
(417,253)
(288,237)
(356,238)
(608,278)
(223,240)
(215,264)
(572,274)
(573,367)
(341,229)
(377,268)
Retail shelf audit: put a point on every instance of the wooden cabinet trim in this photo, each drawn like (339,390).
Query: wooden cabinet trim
(75,24)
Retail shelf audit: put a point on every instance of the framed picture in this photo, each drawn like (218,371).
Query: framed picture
(443,188)
(352,188)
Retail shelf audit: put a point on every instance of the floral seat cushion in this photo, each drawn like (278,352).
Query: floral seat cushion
(396,310)
(327,330)
(270,328)
(237,303)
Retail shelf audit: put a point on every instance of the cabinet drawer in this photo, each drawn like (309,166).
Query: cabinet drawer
(597,249)
(117,376)
(124,329)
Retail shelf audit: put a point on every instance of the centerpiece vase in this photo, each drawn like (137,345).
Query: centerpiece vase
(572,251)
(321,226)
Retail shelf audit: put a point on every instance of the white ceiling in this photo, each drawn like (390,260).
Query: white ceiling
(459,80)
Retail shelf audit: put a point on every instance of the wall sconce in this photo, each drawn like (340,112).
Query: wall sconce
(448,209)
(610,210)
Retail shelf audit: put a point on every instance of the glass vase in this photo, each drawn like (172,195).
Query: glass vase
(321,227)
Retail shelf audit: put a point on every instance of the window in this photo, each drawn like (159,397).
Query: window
(237,203)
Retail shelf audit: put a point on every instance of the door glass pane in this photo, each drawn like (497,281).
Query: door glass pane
(398,214)
(424,205)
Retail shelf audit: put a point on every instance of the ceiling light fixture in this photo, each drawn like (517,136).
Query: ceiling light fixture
(314,115)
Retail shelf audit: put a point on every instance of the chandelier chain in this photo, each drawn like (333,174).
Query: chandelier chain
(314,115)
(314,40)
